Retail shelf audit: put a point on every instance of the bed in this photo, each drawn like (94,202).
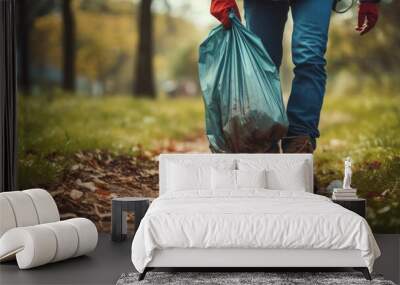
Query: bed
(246,211)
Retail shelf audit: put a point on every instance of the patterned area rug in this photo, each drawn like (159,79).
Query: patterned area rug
(243,278)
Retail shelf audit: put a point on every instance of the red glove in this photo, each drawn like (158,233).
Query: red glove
(220,9)
(367,17)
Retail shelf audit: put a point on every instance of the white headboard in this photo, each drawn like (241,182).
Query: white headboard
(190,157)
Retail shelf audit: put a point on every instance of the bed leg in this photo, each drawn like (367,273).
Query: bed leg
(143,274)
(364,271)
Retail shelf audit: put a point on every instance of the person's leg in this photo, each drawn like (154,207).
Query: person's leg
(310,34)
(267,20)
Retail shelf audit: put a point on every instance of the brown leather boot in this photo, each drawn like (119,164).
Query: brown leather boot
(297,144)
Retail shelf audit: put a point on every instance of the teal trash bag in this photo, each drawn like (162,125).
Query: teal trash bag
(241,90)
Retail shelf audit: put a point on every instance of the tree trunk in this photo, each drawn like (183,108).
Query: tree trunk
(68,46)
(24,57)
(144,81)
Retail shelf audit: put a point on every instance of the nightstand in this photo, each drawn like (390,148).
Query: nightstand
(357,205)
(120,207)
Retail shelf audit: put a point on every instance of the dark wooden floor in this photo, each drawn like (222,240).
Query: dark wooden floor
(103,266)
(110,260)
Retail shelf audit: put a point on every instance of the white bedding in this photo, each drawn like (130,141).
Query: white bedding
(251,218)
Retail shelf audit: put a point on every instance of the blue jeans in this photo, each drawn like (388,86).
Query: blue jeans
(267,18)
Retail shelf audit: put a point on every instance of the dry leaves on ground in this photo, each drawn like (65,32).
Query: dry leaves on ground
(88,186)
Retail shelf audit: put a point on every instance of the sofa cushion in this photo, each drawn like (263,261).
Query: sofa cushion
(67,240)
(23,208)
(7,220)
(45,205)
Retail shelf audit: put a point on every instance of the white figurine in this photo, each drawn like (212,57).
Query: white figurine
(347,174)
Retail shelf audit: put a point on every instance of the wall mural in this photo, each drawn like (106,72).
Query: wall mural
(101,94)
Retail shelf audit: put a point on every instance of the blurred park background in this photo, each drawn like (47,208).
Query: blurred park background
(106,85)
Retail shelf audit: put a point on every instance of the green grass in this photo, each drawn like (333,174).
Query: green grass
(68,124)
(364,126)
(51,130)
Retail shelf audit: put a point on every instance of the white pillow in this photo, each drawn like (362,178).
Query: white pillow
(251,178)
(183,177)
(282,174)
(223,179)
(292,180)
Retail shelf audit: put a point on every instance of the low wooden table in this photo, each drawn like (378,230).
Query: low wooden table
(120,207)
